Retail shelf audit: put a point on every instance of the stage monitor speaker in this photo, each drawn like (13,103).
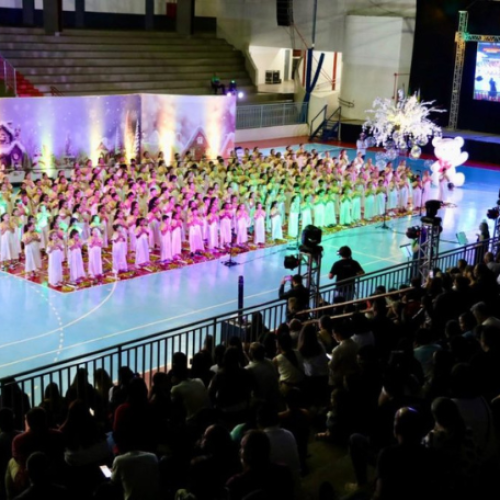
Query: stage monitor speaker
(284,12)
(269,76)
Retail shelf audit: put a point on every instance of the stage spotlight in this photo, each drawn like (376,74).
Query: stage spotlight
(413,232)
(432,207)
(493,213)
(310,239)
(233,87)
(291,262)
(241,95)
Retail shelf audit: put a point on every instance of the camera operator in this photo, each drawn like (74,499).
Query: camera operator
(297,290)
(345,270)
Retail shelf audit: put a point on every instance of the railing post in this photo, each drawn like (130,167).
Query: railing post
(261,114)
(15,82)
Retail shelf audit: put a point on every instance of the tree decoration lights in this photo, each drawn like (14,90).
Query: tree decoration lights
(402,124)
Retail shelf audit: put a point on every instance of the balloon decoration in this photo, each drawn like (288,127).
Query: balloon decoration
(415,152)
(381,164)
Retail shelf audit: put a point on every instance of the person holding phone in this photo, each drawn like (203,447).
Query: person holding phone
(297,290)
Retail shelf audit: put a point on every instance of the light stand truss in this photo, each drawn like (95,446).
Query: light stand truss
(310,270)
(461,38)
(429,246)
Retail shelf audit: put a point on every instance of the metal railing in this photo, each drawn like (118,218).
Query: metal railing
(154,353)
(271,115)
(9,75)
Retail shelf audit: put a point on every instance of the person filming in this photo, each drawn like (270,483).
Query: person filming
(297,290)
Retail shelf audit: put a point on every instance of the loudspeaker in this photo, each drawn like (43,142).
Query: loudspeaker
(284,12)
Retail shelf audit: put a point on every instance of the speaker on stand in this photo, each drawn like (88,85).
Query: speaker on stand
(284,12)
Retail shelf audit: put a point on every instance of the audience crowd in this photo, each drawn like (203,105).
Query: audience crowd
(407,386)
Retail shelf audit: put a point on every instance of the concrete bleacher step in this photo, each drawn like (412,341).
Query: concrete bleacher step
(224,70)
(93,62)
(180,90)
(111,87)
(115,62)
(143,76)
(94,55)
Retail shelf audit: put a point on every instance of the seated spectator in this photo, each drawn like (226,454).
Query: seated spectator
(325,334)
(190,396)
(486,363)
(37,437)
(484,316)
(137,474)
(473,408)
(315,365)
(134,423)
(7,435)
(84,391)
(360,329)
(230,389)
(492,263)
(438,384)
(54,404)
(284,449)
(456,448)
(86,443)
(256,329)
(343,361)
(295,328)
(159,397)
(119,392)
(424,350)
(217,85)
(102,385)
(200,368)
(265,384)
(289,363)
(41,487)
(216,463)
(259,474)
(467,322)
(338,425)
(296,419)
(407,469)
(13,397)
(220,350)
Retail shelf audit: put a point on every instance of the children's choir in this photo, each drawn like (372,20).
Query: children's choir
(139,207)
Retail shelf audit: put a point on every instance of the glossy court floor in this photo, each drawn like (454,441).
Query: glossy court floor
(39,326)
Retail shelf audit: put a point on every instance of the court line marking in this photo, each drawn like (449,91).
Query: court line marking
(67,325)
(128,330)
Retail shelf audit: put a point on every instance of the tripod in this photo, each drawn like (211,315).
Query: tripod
(384,223)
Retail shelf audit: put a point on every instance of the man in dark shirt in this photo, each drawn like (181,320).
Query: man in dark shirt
(259,474)
(298,290)
(345,271)
(408,469)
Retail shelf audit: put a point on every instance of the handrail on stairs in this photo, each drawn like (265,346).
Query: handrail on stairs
(321,111)
(325,119)
(9,75)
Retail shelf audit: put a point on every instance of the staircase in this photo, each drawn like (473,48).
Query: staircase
(90,62)
(330,126)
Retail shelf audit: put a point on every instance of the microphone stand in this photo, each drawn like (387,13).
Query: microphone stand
(384,224)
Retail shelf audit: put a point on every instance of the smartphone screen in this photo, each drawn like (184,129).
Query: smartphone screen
(106,471)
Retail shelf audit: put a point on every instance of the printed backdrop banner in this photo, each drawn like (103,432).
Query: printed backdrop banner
(201,125)
(52,132)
